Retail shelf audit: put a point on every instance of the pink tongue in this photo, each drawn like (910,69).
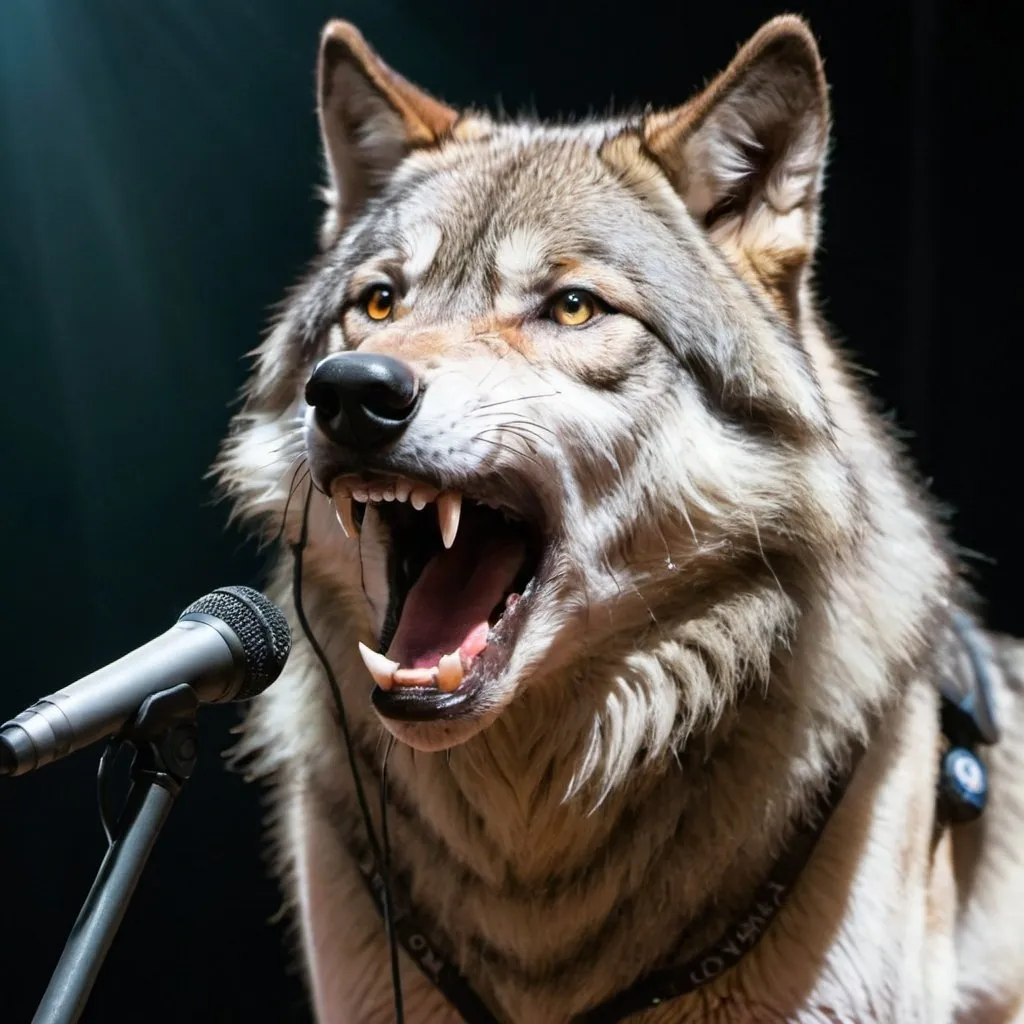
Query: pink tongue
(447,608)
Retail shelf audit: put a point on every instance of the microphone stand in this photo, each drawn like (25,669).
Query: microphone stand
(165,739)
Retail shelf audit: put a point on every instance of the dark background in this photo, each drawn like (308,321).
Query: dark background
(157,165)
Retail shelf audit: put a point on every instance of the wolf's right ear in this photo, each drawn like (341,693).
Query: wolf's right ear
(370,119)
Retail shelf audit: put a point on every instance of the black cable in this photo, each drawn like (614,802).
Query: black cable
(107,760)
(389,923)
(382,860)
(339,706)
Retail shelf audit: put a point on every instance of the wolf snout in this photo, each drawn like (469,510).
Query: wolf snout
(363,401)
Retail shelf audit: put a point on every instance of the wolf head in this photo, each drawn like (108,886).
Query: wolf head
(563,387)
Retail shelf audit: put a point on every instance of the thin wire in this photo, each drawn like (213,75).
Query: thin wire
(107,760)
(298,478)
(339,706)
(382,859)
(389,923)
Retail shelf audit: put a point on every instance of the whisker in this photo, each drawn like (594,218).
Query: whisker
(509,448)
(521,427)
(497,363)
(531,440)
(534,425)
(453,370)
(518,398)
(525,432)
(520,419)
(507,430)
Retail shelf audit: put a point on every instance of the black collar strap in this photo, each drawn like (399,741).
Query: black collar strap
(415,940)
(739,938)
(652,989)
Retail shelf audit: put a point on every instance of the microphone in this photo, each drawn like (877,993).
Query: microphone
(229,645)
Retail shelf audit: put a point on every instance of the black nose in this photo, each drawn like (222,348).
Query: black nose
(362,401)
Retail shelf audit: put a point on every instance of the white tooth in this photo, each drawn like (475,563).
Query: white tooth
(449,672)
(420,496)
(343,510)
(389,492)
(416,676)
(449,508)
(402,489)
(382,669)
(375,494)
(360,494)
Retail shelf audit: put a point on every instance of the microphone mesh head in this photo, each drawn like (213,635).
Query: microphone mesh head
(259,625)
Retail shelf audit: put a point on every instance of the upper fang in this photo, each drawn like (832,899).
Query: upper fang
(343,510)
(449,509)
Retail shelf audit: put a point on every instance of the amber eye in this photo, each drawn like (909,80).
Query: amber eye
(378,302)
(573,308)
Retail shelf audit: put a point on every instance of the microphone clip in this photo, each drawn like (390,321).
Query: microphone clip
(165,736)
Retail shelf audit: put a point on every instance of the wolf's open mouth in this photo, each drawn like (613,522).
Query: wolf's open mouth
(457,571)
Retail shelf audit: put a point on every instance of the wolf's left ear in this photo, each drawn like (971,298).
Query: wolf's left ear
(747,154)
(370,119)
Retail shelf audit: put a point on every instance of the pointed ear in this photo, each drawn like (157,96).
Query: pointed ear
(747,154)
(370,119)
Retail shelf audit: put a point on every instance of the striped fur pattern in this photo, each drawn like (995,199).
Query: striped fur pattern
(742,579)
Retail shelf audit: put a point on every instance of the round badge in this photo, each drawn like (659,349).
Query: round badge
(969,773)
(963,785)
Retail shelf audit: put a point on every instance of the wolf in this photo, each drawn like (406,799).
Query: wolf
(611,588)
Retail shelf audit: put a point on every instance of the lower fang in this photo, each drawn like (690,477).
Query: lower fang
(380,668)
(449,672)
